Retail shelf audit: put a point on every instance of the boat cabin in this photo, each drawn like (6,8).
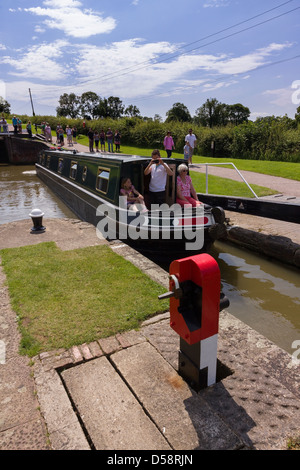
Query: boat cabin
(102,174)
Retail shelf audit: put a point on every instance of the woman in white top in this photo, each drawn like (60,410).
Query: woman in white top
(159,171)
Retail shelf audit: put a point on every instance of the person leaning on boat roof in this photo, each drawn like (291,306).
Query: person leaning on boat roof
(159,171)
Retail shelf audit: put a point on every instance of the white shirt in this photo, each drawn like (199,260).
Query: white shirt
(158,178)
(191,138)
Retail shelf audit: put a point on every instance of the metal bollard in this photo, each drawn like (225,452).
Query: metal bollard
(37,219)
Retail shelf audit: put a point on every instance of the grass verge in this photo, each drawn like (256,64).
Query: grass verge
(227,187)
(72,297)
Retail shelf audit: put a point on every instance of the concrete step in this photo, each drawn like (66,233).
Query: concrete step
(145,405)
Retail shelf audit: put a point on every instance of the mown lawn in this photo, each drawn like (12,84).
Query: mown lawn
(63,298)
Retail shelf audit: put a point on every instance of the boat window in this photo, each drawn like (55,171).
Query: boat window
(102,180)
(60,165)
(73,170)
(84,173)
(48,161)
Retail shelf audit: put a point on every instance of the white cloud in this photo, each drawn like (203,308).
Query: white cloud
(258,114)
(39,29)
(81,67)
(216,3)
(250,61)
(40,62)
(130,58)
(68,16)
(3,89)
(281,96)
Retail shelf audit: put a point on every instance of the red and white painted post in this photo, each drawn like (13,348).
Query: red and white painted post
(195,284)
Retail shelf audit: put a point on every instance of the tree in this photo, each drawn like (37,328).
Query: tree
(115,107)
(211,113)
(178,112)
(88,104)
(237,113)
(4,106)
(297,115)
(69,105)
(101,109)
(132,111)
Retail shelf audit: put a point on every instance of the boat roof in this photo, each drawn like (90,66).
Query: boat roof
(119,157)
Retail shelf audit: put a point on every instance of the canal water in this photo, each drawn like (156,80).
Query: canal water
(264,294)
(21,191)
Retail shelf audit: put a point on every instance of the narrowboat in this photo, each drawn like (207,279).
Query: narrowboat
(89,184)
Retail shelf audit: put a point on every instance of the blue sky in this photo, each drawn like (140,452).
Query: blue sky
(152,53)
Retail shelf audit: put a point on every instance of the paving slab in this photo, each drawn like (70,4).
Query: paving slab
(259,396)
(186,421)
(64,429)
(112,416)
(69,234)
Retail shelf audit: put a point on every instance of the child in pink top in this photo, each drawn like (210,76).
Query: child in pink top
(133,196)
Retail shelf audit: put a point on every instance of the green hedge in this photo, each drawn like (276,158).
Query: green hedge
(273,139)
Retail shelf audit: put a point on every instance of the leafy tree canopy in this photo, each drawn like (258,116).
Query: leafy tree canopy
(178,112)
(4,106)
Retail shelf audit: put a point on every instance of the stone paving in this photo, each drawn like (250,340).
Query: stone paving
(255,406)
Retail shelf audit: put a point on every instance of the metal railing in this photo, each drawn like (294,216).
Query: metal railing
(198,165)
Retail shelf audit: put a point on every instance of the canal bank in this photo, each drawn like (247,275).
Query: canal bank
(273,238)
(255,405)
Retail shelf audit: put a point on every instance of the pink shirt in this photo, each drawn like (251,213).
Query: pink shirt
(185,187)
(168,142)
(129,193)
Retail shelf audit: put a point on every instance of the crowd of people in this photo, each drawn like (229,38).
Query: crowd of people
(97,140)
(157,167)
(100,138)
